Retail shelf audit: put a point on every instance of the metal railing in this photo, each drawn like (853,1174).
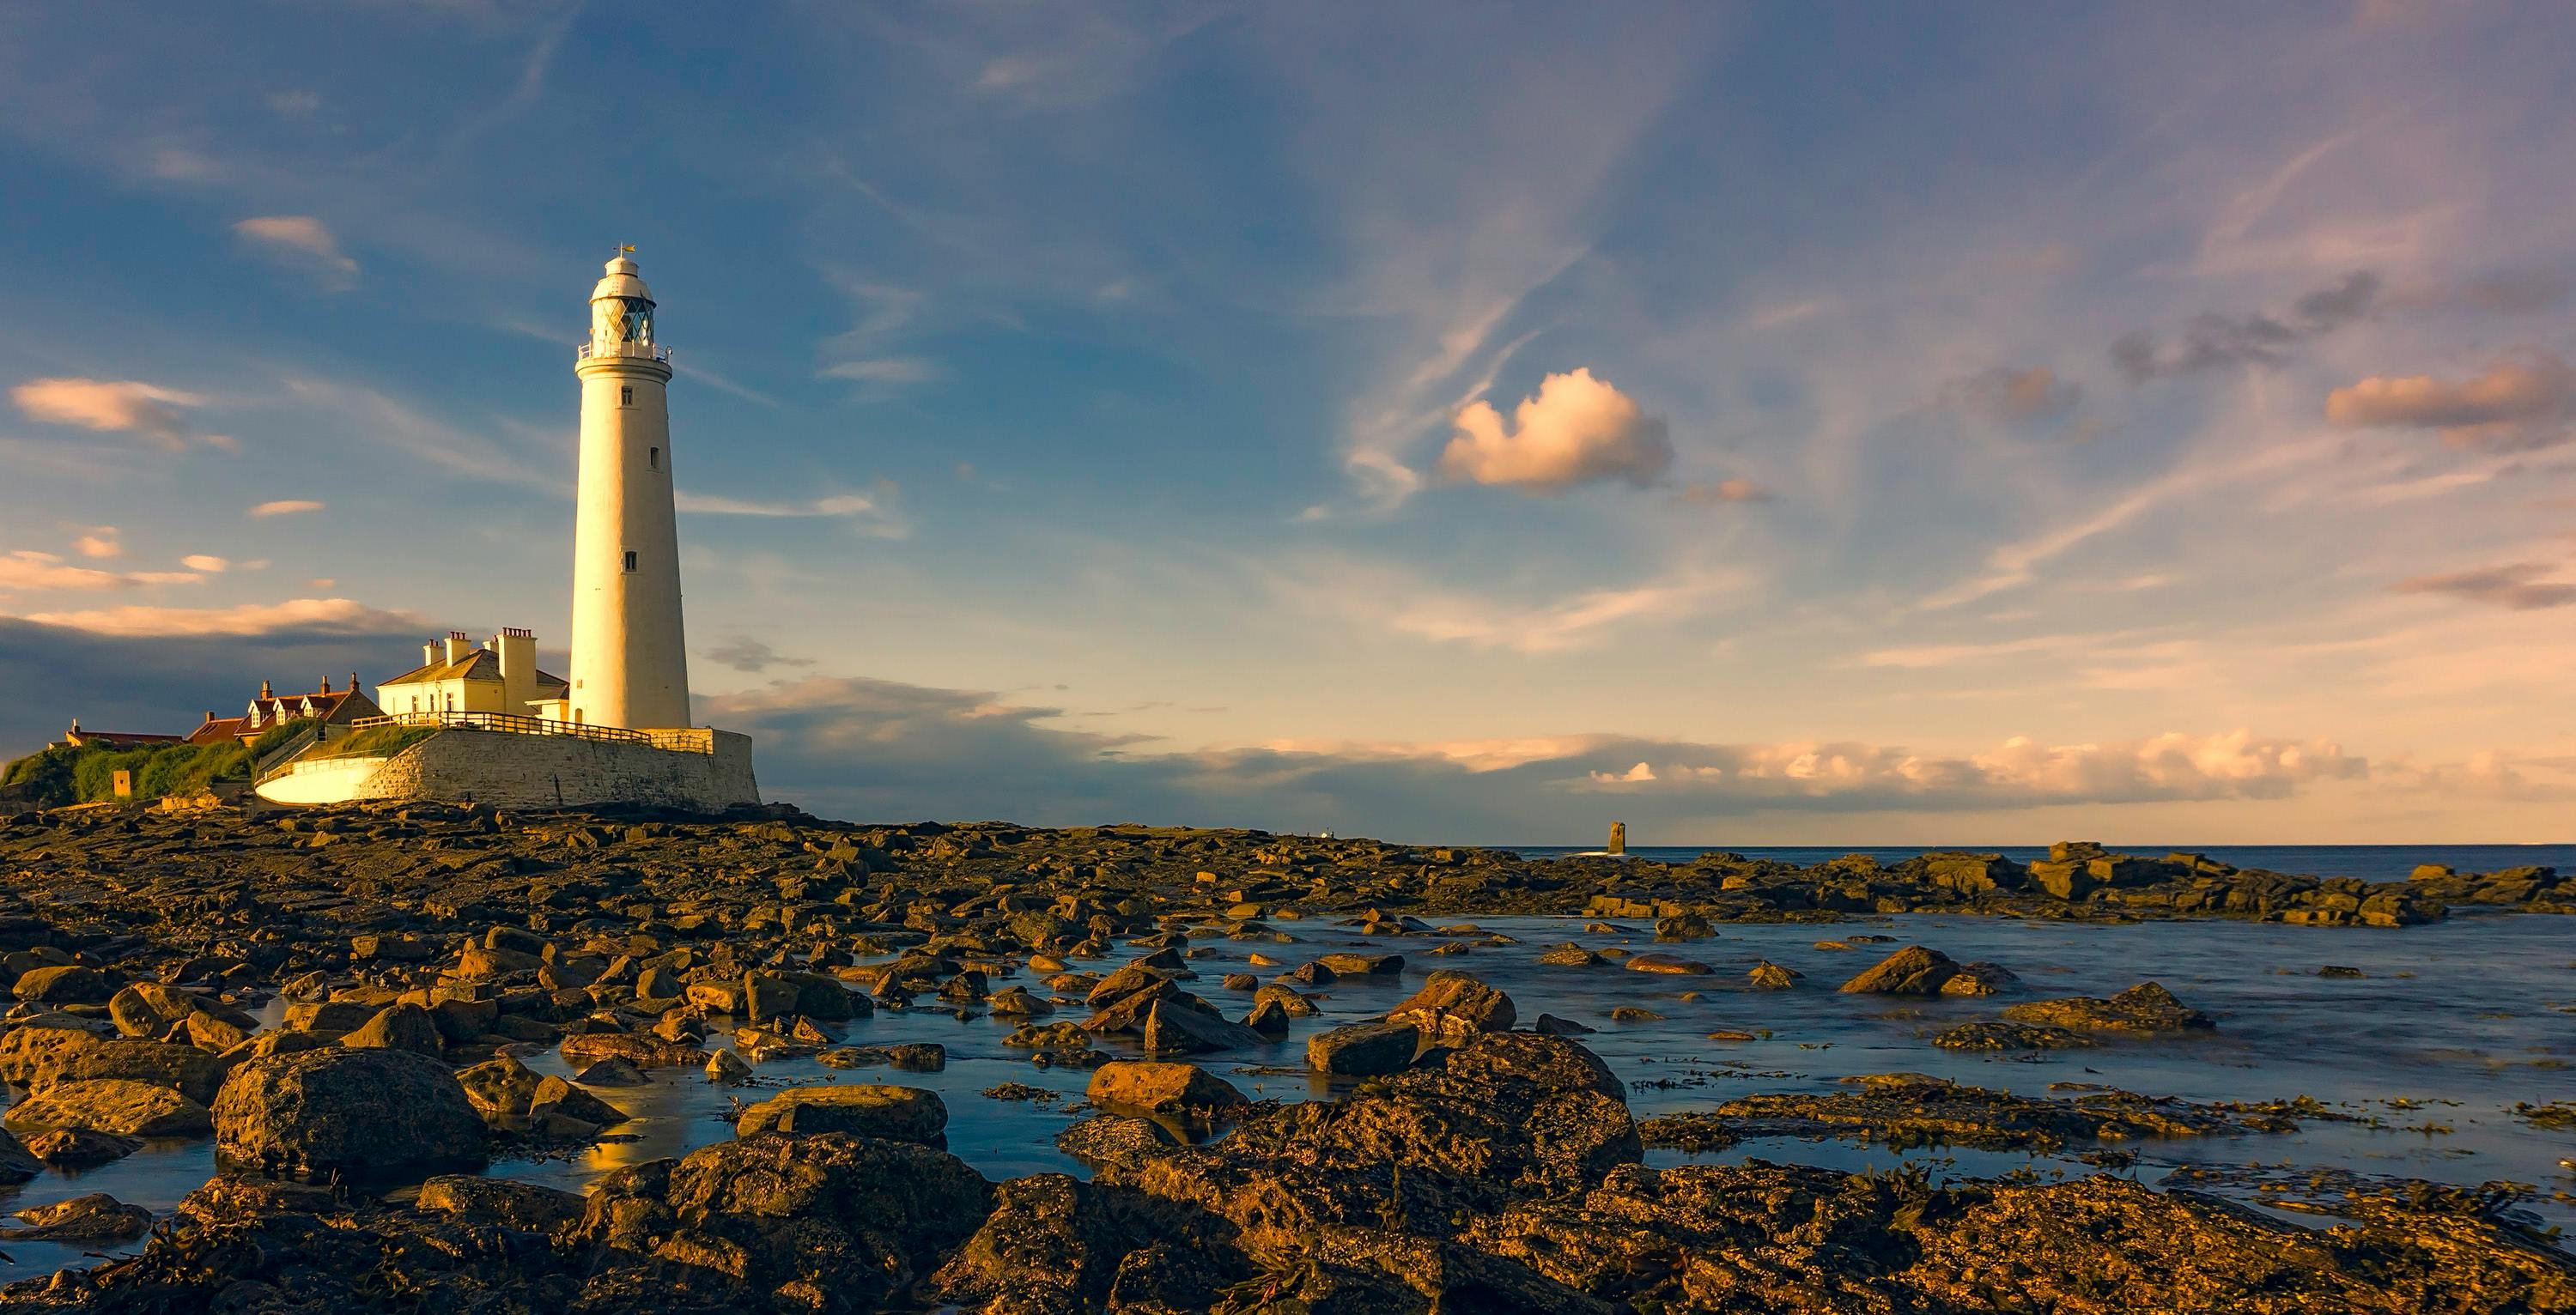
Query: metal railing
(281,757)
(638,349)
(517,724)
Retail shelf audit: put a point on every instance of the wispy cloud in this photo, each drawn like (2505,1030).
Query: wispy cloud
(2521,402)
(304,241)
(148,411)
(309,615)
(286,507)
(2517,586)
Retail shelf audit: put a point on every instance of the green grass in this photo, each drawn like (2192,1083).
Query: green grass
(87,775)
(373,742)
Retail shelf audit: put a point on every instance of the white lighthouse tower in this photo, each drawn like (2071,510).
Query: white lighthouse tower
(630,662)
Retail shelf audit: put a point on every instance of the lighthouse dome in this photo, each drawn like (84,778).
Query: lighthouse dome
(622,281)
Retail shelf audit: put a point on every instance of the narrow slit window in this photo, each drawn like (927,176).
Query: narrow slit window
(630,561)
(653,457)
(626,395)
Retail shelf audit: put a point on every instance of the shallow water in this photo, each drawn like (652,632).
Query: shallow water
(2368,862)
(2464,1017)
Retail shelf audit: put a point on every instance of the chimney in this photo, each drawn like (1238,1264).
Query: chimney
(458,646)
(326,684)
(353,682)
(210,714)
(265,692)
(518,650)
(429,654)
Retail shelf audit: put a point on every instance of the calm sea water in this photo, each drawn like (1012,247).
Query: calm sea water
(2368,862)
(2452,1025)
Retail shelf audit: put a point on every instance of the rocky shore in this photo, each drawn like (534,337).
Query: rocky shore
(345,1003)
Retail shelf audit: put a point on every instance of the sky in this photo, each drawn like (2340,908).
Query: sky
(1759,423)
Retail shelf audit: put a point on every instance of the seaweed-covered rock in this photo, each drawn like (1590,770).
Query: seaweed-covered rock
(1453,1006)
(2147,1008)
(1159,1088)
(1914,970)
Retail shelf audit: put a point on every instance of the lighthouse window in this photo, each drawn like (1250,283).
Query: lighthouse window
(653,457)
(630,561)
(626,396)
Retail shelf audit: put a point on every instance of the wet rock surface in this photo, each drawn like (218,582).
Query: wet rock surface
(347,1003)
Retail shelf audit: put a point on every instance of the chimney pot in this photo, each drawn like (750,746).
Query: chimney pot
(265,691)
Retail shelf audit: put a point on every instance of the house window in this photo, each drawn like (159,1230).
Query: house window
(415,703)
(626,396)
(653,457)
(451,700)
(576,716)
(630,561)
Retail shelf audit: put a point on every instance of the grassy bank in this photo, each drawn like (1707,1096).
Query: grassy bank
(71,774)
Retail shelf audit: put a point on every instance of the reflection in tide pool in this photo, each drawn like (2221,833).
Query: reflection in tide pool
(2458,1020)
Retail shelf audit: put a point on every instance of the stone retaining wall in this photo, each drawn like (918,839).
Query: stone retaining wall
(532,771)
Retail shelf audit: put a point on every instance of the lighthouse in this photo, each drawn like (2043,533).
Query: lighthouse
(630,663)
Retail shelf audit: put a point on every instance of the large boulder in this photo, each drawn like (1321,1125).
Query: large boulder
(528,1206)
(131,1109)
(65,984)
(1363,1050)
(829,1222)
(1159,1088)
(377,1110)
(399,1026)
(55,1048)
(868,1110)
(1914,970)
(1453,1006)
(1048,1248)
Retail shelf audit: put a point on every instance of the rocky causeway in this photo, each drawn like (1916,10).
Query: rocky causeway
(443,1058)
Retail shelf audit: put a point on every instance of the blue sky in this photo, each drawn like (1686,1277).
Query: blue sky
(1761,423)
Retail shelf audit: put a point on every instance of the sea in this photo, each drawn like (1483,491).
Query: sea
(2368,862)
(2421,1044)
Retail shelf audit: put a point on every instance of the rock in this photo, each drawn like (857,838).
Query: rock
(1914,970)
(727,1067)
(1048,1248)
(894,1113)
(1160,1088)
(96,1217)
(1363,1050)
(116,1105)
(1684,927)
(1361,965)
(65,984)
(916,1056)
(328,1017)
(611,1072)
(501,1089)
(1551,1025)
(1453,1006)
(1569,956)
(74,1148)
(153,1011)
(40,1053)
(1181,1025)
(556,1098)
(17,1162)
(2010,1036)
(1980,977)
(526,1206)
(1769,976)
(1018,1002)
(360,1111)
(1111,1139)
(2147,1007)
(857,1218)
(2067,879)
(400,1026)
(639,1050)
(1667,963)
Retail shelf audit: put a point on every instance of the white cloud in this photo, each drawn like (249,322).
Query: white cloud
(304,240)
(99,541)
(29,570)
(111,406)
(286,507)
(314,615)
(1576,430)
(206,562)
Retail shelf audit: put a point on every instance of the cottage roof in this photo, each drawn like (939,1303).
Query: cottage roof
(476,664)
